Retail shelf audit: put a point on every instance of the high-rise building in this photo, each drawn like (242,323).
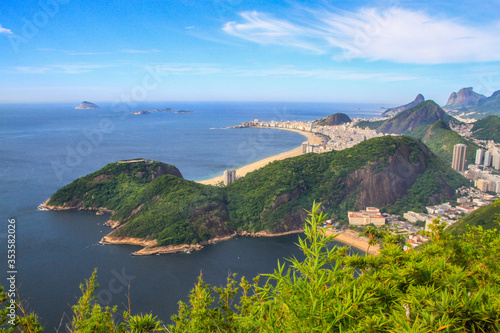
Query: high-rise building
(459,151)
(487,158)
(496,160)
(479,156)
(229,176)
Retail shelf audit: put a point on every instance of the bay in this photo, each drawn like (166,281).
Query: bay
(45,146)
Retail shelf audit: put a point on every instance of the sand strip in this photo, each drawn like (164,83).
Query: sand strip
(352,238)
(311,138)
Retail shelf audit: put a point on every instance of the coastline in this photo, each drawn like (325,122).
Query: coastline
(311,139)
(150,248)
(352,238)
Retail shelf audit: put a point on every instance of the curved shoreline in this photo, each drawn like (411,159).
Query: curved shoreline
(242,171)
(352,238)
(150,247)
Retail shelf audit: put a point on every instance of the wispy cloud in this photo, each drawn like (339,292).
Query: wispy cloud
(139,51)
(4,30)
(191,69)
(59,69)
(32,70)
(281,72)
(265,29)
(391,34)
(85,53)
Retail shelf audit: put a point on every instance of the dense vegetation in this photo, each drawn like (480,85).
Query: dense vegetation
(452,285)
(153,200)
(487,128)
(414,121)
(441,140)
(483,217)
(484,107)
(395,172)
(428,122)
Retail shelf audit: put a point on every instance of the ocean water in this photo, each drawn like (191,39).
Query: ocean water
(45,146)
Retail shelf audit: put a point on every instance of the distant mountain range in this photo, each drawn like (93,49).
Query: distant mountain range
(394,111)
(86,105)
(463,98)
(477,106)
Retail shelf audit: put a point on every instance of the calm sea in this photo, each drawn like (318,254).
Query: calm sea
(45,146)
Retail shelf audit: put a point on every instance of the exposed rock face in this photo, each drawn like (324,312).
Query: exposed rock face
(383,188)
(334,120)
(394,111)
(464,97)
(87,105)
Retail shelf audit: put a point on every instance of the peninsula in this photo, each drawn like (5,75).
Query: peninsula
(152,205)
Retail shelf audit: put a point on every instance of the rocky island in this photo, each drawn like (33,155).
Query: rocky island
(140,112)
(154,206)
(86,105)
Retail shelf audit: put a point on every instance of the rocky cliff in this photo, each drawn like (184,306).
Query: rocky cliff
(394,111)
(464,97)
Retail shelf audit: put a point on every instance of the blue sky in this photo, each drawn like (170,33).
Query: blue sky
(234,50)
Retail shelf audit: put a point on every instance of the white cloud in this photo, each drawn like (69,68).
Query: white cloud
(5,31)
(59,69)
(32,70)
(280,72)
(139,51)
(391,34)
(264,29)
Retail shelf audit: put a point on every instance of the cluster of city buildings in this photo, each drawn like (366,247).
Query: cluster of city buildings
(481,172)
(335,137)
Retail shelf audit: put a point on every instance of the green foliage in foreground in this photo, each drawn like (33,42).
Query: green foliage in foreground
(452,285)
(487,128)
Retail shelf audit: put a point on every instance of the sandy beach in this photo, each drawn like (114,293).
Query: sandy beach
(350,237)
(311,138)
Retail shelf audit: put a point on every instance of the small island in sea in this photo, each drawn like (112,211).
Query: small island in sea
(141,112)
(152,111)
(86,106)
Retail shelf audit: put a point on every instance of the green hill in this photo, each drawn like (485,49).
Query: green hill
(441,139)
(334,120)
(151,201)
(487,128)
(413,121)
(486,106)
(428,122)
(485,217)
